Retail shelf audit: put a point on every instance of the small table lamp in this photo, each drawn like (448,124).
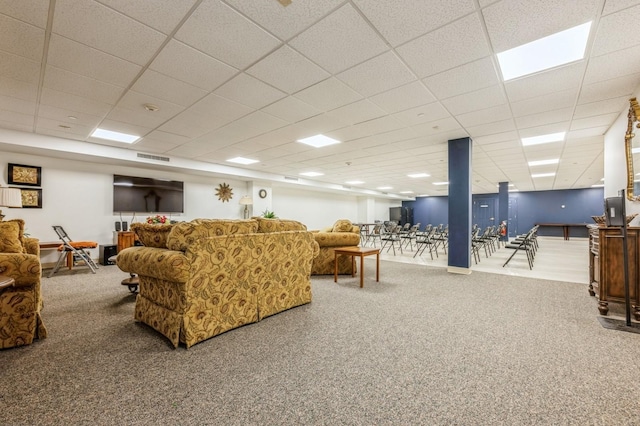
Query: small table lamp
(10,197)
(246,201)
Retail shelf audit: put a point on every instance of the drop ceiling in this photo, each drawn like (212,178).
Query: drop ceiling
(394,81)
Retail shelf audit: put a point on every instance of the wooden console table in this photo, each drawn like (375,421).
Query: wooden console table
(353,252)
(565,227)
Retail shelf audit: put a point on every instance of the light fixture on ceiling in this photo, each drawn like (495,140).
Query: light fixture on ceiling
(544,162)
(151,107)
(548,138)
(539,175)
(598,185)
(318,141)
(418,175)
(548,52)
(311,174)
(383,188)
(242,160)
(114,136)
(406,192)
(354,182)
(440,183)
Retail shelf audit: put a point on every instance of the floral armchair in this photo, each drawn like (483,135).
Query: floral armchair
(343,233)
(20,304)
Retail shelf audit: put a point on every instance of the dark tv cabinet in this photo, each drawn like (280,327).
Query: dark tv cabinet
(606,272)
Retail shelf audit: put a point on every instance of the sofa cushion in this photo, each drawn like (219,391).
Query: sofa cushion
(183,234)
(151,235)
(11,236)
(342,225)
(277,225)
(337,239)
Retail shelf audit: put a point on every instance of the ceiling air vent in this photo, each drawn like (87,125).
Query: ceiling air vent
(291,178)
(153,157)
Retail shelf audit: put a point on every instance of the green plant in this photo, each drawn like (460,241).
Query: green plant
(269,215)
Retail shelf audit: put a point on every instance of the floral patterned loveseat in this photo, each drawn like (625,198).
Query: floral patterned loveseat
(20,304)
(343,233)
(201,278)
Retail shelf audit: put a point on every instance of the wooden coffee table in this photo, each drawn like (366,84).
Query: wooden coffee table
(353,252)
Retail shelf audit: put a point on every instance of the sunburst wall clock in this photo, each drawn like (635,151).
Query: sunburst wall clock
(224,192)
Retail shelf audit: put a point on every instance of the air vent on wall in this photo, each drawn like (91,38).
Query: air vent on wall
(291,178)
(153,157)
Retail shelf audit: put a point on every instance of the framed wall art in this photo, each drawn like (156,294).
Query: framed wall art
(31,198)
(22,175)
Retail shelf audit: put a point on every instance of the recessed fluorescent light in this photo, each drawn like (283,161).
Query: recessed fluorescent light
(635,150)
(354,182)
(114,136)
(406,192)
(419,175)
(384,187)
(598,185)
(548,52)
(242,160)
(318,141)
(544,162)
(441,183)
(498,185)
(514,190)
(423,195)
(311,174)
(537,175)
(536,140)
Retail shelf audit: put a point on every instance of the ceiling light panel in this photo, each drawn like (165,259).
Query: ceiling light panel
(418,175)
(548,138)
(242,160)
(318,141)
(548,52)
(114,136)
(544,162)
(311,174)
(539,175)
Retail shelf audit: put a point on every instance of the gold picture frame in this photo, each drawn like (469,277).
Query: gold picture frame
(31,198)
(20,174)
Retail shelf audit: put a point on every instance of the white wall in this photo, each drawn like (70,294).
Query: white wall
(315,209)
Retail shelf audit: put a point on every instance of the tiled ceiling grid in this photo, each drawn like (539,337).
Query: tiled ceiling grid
(392,80)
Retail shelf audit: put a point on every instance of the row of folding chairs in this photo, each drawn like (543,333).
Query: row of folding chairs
(525,243)
(487,240)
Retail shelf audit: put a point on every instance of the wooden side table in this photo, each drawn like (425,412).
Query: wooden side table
(353,252)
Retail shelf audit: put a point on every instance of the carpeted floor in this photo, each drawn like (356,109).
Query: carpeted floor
(420,347)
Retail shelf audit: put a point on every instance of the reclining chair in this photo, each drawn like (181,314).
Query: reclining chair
(77,249)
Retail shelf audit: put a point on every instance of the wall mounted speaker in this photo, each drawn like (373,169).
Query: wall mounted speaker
(124,226)
(117,226)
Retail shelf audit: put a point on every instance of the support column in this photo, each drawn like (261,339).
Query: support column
(460,206)
(503,207)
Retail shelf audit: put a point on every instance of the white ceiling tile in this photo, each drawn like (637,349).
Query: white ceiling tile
(483,116)
(339,41)
(473,101)
(81,130)
(617,31)
(249,91)
(357,112)
(544,130)
(377,75)
(169,89)
(422,114)
(33,12)
(323,123)
(135,117)
(60,133)
(542,118)
(218,30)
(285,23)
(72,102)
(65,81)
(20,38)
(291,109)
(18,89)
(438,127)
(601,107)
(456,44)
(162,15)
(192,66)
(466,78)
(288,70)
(80,59)
(188,124)
(404,97)
(510,137)
(497,127)
(19,68)
(328,94)
(611,6)
(18,105)
(515,22)
(102,28)
(595,121)
(218,111)
(134,101)
(412,19)
(609,89)
(16,117)
(62,115)
(555,80)
(612,65)
(149,144)
(562,99)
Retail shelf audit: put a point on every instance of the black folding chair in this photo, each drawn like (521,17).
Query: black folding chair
(77,249)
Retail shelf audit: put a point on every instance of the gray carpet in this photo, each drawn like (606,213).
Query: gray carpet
(420,347)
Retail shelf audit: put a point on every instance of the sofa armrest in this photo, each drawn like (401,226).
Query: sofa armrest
(32,246)
(22,267)
(337,239)
(155,262)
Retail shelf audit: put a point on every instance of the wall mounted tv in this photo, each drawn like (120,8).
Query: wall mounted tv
(137,194)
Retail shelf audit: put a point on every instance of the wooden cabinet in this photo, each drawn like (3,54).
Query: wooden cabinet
(606,270)
(126,239)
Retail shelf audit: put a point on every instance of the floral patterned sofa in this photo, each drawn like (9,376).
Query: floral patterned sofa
(20,304)
(201,278)
(343,233)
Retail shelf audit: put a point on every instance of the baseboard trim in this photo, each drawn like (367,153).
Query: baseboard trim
(458,270)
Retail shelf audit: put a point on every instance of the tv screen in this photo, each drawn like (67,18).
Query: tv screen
(137,194)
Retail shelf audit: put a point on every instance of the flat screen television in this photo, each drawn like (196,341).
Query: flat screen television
(146,195)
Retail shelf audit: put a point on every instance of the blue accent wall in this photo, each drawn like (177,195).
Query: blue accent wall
(533,207)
